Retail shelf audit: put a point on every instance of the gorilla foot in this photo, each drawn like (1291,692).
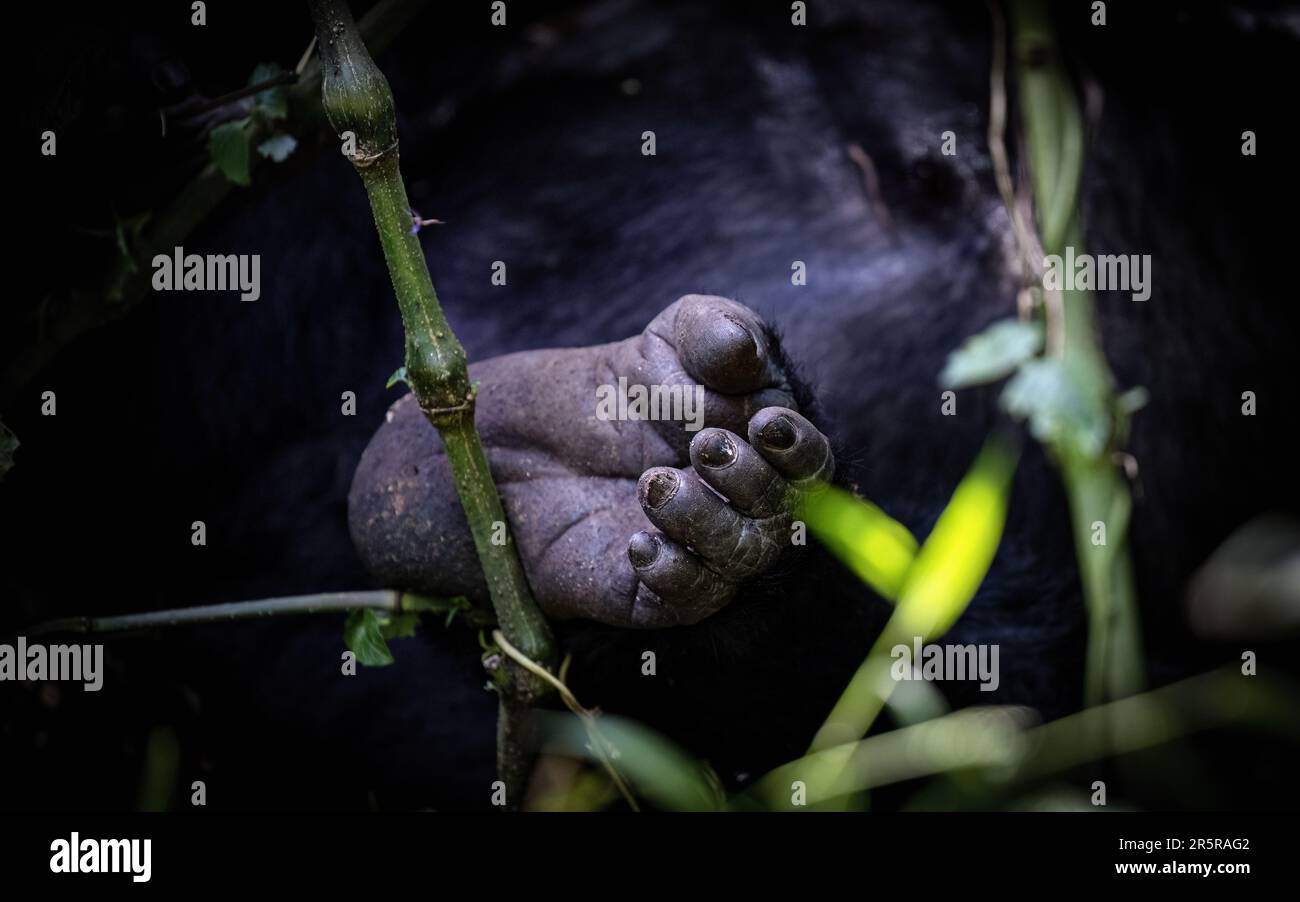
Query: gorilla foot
(634,522)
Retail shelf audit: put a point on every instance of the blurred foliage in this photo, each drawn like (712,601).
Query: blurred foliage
(1250,586)
(273,103)
(993,354)
(957,554)
(935,589)
(1069,397)
(277,147)
(655,767)
(976,758)
(230,143)
(162,756)
(228,147)
(1063,408)
(877,548)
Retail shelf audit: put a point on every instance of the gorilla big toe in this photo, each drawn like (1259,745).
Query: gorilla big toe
(643,521)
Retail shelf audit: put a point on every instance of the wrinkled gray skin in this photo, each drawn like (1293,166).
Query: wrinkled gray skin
(615,520)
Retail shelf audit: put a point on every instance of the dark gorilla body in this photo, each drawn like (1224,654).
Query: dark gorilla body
(530,151)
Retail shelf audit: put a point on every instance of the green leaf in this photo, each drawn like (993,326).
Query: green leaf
(956,743)
(277,147)
(8,445)
(364,635)
(873,545)
(398,626)
(657,768)
(956,555)
(273,103)
(1065,407)
(1132,400)
(1054,132)
(457,604)
(943,578)
(992,354)
(399,375)
(228,147)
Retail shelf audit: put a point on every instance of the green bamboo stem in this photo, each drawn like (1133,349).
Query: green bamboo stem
(357,99)
(1095,486)
(436,371)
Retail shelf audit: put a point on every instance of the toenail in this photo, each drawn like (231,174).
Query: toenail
(662,487)
(745,345)
(778,434)
(643,549)
(717,450)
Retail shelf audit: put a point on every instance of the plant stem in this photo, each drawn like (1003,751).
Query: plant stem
(357,99)
(1095,486)
(284,78)
(600,746)
(436,371)
(379,600)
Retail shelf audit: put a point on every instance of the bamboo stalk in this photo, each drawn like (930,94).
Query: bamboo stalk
(1095,486)
(357,99)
